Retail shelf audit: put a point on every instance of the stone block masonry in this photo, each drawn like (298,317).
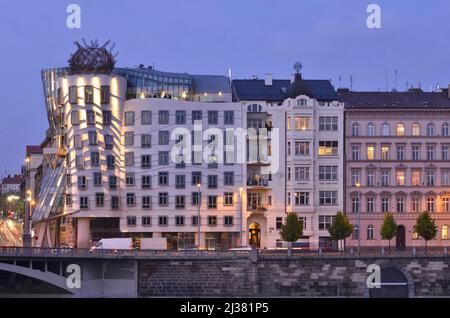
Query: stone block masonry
(283,277)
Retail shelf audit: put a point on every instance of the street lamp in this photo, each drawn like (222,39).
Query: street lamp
(358,185)
(241,216)
(10,199)
(199,200)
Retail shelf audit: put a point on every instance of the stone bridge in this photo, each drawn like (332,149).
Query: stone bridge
(43,272)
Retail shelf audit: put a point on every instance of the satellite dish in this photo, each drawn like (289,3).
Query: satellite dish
(298,67)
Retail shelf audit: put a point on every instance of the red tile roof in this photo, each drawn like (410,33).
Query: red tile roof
(31,150)
(16,179)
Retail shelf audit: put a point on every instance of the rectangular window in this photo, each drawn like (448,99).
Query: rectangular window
(97,179)
(301,123)
(212,202)
(146,221)
(75,117)
(325,222)
(400,205)
(301,198)
(68,199)
(92,135)
(385,178)
(77,142)
(328,148)
(105,95)
(228,118)
(115,202)
(95,158)
(196,178)
(370,178)
(228,178)
(88,94)
(445,153)
(107,117)
(212,182)
(84,203)
(356,178)
(430,178)
(302,148)
(146,182)
(146,161)
(180,181)
(112,181)
(415,204)
(400,178)
(327,197)
(370,152)
(109,142)
(415,153)
(129,179)
(99,199)
(196,115)
(90,117)
(278,223)
(163,158)
(179,220)
(228,220)
(301,173)
(400,153)
(73,95)
(129,118)
(163,221)
(370,205)
(430,152)
(146,141)
(430,204)
(82,183)
(129,138)
(163,117)
(385,152)
(228,198)
(131,220)
(212,220)
(129,159)
(384,204)
(180,201)
(355,152)
(163,178)
(163,198)
(110,162)
(163,137)
(131,199)
(180,117)
(328,173)
(213,117)
(146,117)
(328,123)
(195,198)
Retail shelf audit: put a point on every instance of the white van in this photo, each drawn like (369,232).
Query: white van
(114,244)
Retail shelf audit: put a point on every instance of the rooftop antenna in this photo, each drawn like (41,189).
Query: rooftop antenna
(340,81)
(351,82)
(407,85)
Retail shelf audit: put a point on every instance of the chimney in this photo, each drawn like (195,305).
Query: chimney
(449,91)
(268,80)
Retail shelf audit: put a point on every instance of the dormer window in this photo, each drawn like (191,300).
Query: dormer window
(302,102)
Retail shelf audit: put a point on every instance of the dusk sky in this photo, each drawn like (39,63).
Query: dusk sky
(330,38)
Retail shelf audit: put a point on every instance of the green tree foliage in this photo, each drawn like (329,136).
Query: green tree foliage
(425,227)
(341,228)
(388,228)
(291,230)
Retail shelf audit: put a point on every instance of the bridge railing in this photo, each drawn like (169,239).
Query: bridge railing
(38,252)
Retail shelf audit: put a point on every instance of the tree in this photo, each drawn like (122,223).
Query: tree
(388,228)
(340,228)
(292,230)
(425,227)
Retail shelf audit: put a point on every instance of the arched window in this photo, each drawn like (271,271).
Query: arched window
(400,129)
(370,129)
(445,232)
(445,129)
(385,129)
(355,129)
(430,129)
(370,232)
(355,232)
(416,129)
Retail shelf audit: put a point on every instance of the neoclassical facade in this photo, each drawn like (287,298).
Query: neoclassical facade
(397,160)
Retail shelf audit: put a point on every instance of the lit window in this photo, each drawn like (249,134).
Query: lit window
(416,129)
(301,123)
(400,178)
(370,152)
(445,232)
(400,130)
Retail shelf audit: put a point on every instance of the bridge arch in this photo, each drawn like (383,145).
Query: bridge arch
(392,273)
(56,281)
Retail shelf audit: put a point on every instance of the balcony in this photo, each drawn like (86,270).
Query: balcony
(257,209)
(258,182)
(259,160)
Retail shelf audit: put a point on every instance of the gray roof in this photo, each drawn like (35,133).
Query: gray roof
(211,84)
(257,90)
(398,100)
